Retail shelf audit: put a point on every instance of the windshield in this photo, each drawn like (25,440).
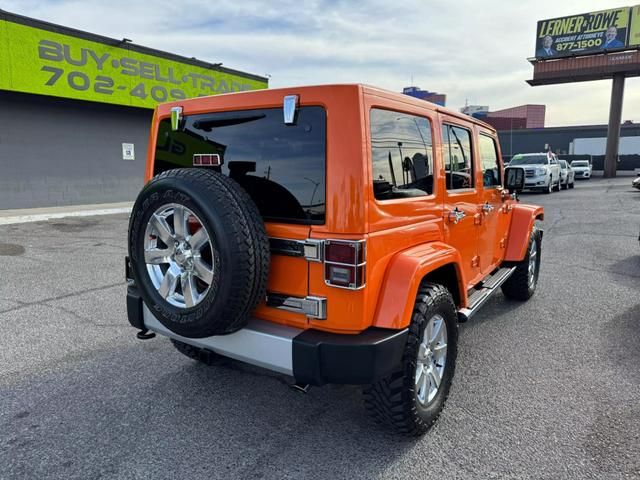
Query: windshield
(528,160)
(580,163)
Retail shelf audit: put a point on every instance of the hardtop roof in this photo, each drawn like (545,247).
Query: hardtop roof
(367,89)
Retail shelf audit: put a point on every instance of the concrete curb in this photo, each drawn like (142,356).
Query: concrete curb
(9,217)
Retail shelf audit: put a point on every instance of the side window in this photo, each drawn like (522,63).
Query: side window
(489,159)
(402,155)
(458,163)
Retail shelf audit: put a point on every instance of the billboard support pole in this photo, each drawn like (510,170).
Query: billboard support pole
(613,132)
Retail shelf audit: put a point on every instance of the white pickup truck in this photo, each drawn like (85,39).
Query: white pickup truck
(542,171)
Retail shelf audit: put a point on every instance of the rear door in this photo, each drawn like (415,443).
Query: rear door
(282,168)
(461,209)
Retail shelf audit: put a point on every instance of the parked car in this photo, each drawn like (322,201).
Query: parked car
(335,234)
(567,175)
(636,182)
(581,168)
(542,171)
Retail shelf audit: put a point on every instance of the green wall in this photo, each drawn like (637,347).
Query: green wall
(34,60)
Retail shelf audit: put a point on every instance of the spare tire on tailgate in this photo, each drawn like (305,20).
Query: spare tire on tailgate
(199,252)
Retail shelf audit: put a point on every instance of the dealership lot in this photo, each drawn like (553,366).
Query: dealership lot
(544,389)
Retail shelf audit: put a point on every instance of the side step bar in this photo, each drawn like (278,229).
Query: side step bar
(483,292)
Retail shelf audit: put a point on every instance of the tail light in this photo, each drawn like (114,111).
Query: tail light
(206,160)
(344,263)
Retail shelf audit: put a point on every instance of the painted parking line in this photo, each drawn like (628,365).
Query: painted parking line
(41,217)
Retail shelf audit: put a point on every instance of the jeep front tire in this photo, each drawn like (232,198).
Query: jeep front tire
(521,285)
(411,399)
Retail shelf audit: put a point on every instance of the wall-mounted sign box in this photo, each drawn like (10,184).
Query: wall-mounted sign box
(42,58)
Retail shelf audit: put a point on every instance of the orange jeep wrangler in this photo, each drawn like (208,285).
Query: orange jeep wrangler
(336,234)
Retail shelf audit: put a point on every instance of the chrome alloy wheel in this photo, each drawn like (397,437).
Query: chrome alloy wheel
(432,357)
(533,265)
(179,255)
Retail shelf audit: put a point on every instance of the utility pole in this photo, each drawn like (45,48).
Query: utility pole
(511,138)
(613,132)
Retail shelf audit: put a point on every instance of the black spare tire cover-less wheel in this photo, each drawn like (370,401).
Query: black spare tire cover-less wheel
(199,252)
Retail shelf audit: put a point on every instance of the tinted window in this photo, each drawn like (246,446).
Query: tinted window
(282,167)
(456,148)
(529,160)
(489,159)
(402,155)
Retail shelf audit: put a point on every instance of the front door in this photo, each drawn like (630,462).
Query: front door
(494,218)
(461,210)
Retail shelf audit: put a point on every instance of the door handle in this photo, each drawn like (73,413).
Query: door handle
(456,215)
(487,207)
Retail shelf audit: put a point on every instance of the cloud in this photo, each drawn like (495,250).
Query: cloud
(470,50)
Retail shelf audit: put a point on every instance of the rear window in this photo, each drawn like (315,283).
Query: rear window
(282,167)
(402,155)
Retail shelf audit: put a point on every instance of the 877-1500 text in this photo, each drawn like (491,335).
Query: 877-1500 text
(105,85)
(594,42)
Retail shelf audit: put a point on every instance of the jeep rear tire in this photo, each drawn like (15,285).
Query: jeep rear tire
(521,285)
(410,400)
(199,252)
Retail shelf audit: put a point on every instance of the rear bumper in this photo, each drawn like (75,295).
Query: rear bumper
(323,357)
(311,356)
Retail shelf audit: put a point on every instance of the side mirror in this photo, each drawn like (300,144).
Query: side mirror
(514,179)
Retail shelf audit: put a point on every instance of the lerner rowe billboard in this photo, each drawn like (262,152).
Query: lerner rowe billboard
(587,33)
(41,61)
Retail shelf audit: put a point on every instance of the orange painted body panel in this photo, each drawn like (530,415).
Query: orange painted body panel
(403,279)
(405,238)
(523,218)
(383,247)
(282,317)
(463,236)
(345,308)
(346,186)
(494,225)
(288,275)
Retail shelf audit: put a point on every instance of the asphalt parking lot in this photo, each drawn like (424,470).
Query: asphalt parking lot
(544,389)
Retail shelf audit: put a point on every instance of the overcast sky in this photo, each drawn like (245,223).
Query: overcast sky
(472,50)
